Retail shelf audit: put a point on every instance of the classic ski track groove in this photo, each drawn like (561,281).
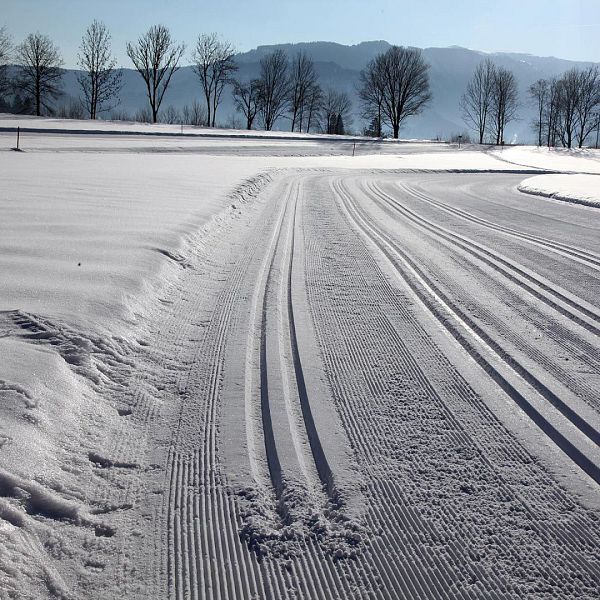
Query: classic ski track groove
(409,553)
(554,330)
(586,257)
(400,580)
(207,558)
(305,435)
(432,297)
(575,308)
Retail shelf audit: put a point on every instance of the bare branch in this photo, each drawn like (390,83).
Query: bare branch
(40,72)
(214,66)
(99,81)
(5,55)
(156,57)
(476,102)
(274,88)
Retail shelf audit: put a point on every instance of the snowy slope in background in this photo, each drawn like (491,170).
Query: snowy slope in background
(338,66)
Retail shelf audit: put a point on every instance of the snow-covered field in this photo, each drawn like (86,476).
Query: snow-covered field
(576,160)
(263,368)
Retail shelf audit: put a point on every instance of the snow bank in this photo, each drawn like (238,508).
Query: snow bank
(84,236)
(553,159)
(580,189)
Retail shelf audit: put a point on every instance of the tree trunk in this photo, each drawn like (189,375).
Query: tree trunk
(294,119)
(208,111)
(214,110)
(38,99)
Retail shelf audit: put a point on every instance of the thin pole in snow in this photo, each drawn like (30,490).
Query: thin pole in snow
(18,136)
(353,148)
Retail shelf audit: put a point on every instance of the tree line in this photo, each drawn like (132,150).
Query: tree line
(490,102)
(394,86)
(567,108)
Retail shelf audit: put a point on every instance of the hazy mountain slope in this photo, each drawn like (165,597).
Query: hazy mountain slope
(339,66)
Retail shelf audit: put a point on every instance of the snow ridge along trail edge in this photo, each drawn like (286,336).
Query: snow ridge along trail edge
(465,332)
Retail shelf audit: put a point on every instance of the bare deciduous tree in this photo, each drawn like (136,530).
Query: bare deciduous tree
(40,73)
(538,93)
(336,111)
(156,57)
(568,99)
(5,54)
(314,105)
(302,79)
(551,111)
(505,101)
(274,88)
(98,80)
(567,107)
(404,79)
(214,65)
(246,96)
(475,103)
(588,102)
(371,93)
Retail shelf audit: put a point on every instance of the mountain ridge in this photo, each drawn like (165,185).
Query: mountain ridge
(339,66)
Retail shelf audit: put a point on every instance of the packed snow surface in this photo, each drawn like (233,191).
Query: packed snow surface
(294,368)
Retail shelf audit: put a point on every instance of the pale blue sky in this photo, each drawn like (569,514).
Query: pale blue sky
(563,28)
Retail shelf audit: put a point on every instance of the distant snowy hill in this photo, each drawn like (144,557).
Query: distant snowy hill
(339,66)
